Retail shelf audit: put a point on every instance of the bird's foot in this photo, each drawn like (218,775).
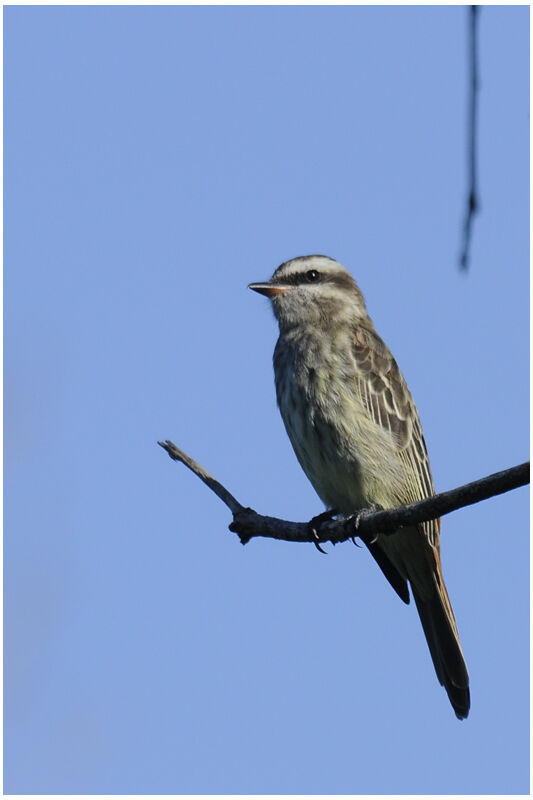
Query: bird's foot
(315,523)
(361,514)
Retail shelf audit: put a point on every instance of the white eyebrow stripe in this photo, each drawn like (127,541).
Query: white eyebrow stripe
(304,263)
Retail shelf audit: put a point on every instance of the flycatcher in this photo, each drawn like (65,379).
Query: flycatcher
(356,432)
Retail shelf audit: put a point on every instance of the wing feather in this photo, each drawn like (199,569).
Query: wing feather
(388,401)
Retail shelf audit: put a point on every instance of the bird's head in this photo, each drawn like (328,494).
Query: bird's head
(313,290)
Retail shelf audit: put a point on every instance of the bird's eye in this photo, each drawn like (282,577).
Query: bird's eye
(312,276)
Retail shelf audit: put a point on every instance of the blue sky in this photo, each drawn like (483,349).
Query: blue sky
(157,160)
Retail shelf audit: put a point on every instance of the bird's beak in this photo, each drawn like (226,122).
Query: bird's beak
(268,289)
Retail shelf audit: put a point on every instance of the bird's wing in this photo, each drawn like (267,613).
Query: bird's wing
(388,401)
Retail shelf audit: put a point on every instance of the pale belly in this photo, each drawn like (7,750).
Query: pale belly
(351,462)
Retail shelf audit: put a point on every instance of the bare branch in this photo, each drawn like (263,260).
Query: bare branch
(367,523)
(178,455)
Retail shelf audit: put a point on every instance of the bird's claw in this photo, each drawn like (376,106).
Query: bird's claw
(361,514)
(315,523)
(317,542)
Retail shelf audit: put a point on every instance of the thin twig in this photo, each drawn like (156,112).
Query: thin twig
(472,200)
(249,524)
(178,455)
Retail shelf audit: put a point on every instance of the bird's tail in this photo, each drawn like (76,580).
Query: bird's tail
(439,626)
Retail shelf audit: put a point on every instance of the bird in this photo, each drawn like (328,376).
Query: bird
(356,432)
